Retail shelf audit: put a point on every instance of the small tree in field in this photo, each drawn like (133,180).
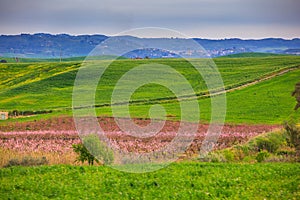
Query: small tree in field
(93,150)
(291,127)
(83,154)
(294,136)
(296,94)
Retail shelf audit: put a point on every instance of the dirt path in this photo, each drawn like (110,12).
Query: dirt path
(279,73)
(193,96)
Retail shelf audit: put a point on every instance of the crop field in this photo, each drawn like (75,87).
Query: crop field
(49,86)
(55,136)
(178,181)
(267,102)
(252,159)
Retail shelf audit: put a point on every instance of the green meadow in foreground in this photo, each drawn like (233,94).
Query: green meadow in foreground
(177,181)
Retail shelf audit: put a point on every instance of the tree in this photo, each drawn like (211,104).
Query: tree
(84,154)
(294,136)
(291,127)
(296,94)
(93,149)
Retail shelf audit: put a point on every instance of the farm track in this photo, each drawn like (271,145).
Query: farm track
(273,75)
(201,95)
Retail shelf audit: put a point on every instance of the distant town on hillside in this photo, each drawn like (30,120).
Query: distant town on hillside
(42,45)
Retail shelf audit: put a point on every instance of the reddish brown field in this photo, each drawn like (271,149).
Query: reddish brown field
(53,138)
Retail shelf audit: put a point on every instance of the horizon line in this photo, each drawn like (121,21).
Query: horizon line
(160,37)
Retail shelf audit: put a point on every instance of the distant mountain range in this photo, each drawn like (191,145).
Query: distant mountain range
(42,45)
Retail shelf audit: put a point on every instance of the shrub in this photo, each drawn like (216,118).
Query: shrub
(293,133)
(93,149)
(262,155)
(248,159)
(228,154)
(214,157)
(27,161)
(279,158)
(83,154)
(239,154)
(266,144)
(286,151)
(218,158)
(270,142)
(240,151)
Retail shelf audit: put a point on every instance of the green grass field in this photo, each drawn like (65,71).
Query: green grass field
(178,181)
(49,85)
(268,102)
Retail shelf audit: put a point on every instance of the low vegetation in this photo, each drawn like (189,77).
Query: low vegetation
(192,180)
(93,149)
(280,146)
(293,132)
(27,161)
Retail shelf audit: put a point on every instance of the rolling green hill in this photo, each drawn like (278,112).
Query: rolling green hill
(49,85)
(267,102)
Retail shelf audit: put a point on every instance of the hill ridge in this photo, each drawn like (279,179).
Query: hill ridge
(42,45)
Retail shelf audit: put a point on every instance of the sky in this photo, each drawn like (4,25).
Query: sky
(214,19)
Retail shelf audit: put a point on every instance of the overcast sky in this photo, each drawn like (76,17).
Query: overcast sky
(194,18)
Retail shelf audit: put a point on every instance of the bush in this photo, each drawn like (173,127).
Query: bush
(241,151)
(293,133)
(248,159)
(229,155)
(270,142)
(27,161)
(261,156)
(266,144)
(214,157)
(83,154)
(279,158)
(93,149)
(286,151)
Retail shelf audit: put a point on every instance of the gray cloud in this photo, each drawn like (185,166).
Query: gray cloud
(193,17)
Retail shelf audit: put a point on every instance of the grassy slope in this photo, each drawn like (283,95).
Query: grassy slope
(49,85)
(38,86)
(178,181)
(267,102)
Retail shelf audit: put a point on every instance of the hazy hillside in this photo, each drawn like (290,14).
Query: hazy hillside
(43,45)
(48,46)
